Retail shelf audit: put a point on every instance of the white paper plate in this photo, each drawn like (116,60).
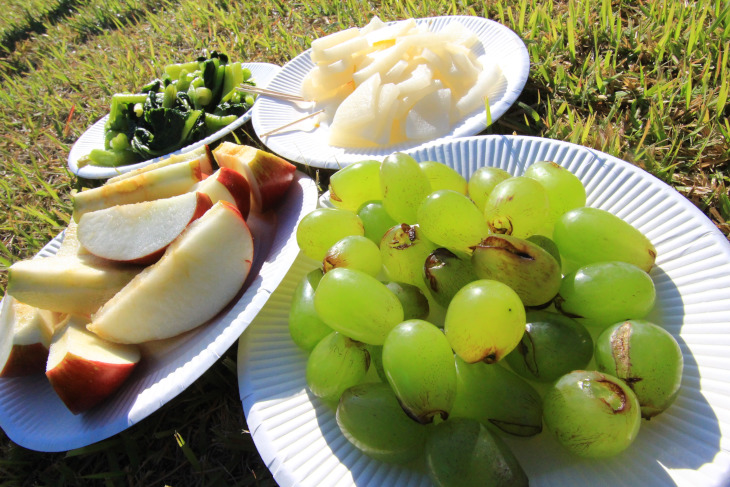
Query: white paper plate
(34,417)
(93,138)
(308,145)
(687,445)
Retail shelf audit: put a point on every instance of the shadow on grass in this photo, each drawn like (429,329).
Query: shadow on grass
(36,24)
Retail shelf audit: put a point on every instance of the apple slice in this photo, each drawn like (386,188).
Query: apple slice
(139,233)
(26,352)
(163,182)
(85,369)
(202,154)
(198,275)
(68,284)
(70,245)
(268,175)
(228,185)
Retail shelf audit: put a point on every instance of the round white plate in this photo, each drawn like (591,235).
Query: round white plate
(687,445)
(33,416)
(93,138)
(307,144)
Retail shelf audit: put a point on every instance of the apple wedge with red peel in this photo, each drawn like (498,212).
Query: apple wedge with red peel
(68,284)
(269,175)
(163,182)
(85,369)
(139,233)
(26,352)
(197,276)
(228,185)
(202,154)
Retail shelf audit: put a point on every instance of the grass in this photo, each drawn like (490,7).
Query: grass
(645,81)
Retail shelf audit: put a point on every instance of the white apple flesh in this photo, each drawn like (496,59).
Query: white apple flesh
(162,182)
(85,369)
(268,175)
(25,353)
(198,275)
(139,233)
(201,154)
(228,185)
(68,284)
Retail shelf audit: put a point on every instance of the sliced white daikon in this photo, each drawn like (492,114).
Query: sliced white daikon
(482,89)
(458,33)
(344,50)
(429,118)
(374,24)
(398,72)
(358,109)
(379,132)
(382,63)
(420,78)
(391,32)
(319,45)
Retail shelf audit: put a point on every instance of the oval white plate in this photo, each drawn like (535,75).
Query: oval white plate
(308,145)
(34,417)
(93,138)
(687,445)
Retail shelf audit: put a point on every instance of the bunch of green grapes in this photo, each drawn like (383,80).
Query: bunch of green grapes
(447,302)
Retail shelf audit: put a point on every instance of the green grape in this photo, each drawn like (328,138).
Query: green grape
(370,417)
(484,321)
(606,293)
(587,235)
(450,219)
(403,250)
(355,184)
(404,185)
(497,398)
(518,206)
(376,361)
(354,252)
(336,363)
(482,182)
(524,266)
(548,245)
(552,346)
(462,452)
(414,302)
(322,228)
(357,305)
(442,176)
(647,358)
(445,273)
(375,220)
(305,326)
(592,414)
(565,191)
(419,365)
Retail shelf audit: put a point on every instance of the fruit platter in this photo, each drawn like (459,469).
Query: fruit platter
(300,435)
(198,259)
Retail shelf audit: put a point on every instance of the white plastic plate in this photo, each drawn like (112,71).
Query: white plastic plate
(307,144)
(33,416)
(93,138)
(687,445)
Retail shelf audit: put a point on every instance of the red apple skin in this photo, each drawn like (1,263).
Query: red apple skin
(82,384)
(274,175)
(238,186)
(25,360)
